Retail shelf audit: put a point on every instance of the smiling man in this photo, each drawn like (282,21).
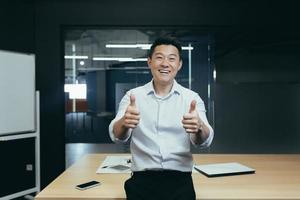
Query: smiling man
(160,120)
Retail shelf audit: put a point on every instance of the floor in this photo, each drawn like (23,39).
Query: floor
(75,151)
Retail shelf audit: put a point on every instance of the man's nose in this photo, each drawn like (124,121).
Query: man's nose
(165,62)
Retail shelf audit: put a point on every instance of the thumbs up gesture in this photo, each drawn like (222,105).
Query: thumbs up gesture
(191,121)
(132,116)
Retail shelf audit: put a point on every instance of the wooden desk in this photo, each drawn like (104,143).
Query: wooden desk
(276,177)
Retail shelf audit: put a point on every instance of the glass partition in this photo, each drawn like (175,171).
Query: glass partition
(102,64)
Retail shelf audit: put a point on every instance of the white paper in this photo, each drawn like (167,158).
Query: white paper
(115,164)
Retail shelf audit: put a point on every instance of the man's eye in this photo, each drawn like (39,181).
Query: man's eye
(172,59)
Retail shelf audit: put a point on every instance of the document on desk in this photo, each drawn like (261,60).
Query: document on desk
(223,169)
(115,164)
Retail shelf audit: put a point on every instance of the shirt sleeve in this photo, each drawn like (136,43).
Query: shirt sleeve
(202,114)
(121,111)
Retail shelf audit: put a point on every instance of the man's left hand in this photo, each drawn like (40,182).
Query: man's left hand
(191,121)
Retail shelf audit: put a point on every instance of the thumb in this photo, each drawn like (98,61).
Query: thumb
(132,100)
(193,106)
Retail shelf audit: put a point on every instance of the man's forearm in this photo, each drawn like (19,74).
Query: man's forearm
(202,135)
(119,130)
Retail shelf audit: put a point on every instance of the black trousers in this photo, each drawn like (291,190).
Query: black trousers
(160,185)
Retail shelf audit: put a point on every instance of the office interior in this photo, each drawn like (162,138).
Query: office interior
(242,57)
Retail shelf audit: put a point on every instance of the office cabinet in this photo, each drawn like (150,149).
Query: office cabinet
(20,162)
(17,165)
(19,126)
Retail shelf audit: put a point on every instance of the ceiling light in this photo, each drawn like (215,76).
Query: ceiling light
(76,57)
(188,48)
(120,46)
(119,59)
(141,46)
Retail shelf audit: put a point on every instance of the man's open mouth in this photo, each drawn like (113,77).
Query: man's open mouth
(163,71)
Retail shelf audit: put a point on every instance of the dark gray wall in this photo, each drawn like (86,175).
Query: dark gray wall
(17,25)
(223,18)
(258,91)
(257,118)
(16,34)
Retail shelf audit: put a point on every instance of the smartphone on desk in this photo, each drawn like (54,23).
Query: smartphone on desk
(87,185)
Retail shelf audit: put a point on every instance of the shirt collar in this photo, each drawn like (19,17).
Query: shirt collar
(175,88)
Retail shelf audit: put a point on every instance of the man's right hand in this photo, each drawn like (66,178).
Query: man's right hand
(131,117)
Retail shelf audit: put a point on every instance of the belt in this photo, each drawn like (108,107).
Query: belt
(161,172)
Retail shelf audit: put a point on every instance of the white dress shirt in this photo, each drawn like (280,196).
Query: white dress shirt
(159,141)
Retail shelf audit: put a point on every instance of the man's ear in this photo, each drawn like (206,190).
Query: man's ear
(149,61)
(180,65)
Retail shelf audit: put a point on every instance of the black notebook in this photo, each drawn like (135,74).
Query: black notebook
(223,169)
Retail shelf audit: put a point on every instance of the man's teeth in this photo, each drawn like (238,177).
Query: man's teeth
(163,71)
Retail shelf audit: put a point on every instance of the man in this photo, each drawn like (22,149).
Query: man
(161,119)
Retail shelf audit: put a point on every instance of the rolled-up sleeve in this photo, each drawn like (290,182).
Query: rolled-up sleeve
(202,114)
(121,111)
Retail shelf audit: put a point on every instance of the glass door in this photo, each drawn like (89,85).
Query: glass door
(102,64)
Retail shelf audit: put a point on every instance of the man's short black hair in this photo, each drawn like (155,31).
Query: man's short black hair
(165,41)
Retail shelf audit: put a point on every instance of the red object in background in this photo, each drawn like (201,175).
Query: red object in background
(81,105)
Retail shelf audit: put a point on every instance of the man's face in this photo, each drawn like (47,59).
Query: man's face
(164,64)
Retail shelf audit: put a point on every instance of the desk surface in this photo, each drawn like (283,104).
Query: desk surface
(276,177)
